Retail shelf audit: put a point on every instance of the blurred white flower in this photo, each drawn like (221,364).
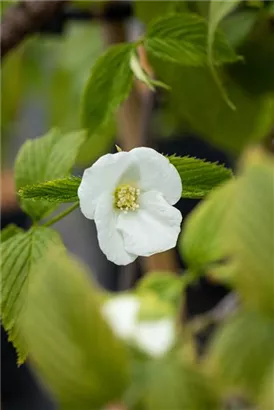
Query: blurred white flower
(130,197)
(154,337)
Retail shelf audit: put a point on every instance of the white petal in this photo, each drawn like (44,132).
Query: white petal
(121,314)
(153,228)
(102,176)
(158,174)
(110,239)
(155,337)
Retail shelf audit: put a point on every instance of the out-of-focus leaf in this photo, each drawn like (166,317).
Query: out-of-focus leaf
(238,26)
(206,113)
(169,384)
(71,346)
(20,263)
(59,190)
(199,177)
(250,233)
(203,237)
(108,86)
(167,286)
(150,10)
(242,352)
(10,231)
(11,85)
(97,145)
(217,11)
(256,75)
(49,157)
(266,400)
(182,39)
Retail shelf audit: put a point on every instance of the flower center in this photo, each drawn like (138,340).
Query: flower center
(126,198)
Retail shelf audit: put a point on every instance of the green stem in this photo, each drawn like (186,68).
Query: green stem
(61,215)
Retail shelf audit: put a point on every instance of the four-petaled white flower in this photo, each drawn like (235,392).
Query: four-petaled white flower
(154,337)
(130,197)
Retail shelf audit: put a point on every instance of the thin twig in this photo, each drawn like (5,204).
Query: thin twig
(61,215)
(24,19)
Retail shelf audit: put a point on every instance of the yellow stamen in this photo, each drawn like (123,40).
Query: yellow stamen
(126,197)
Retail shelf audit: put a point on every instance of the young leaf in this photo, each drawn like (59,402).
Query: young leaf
(182,39)
(203,237)
(142,75)
(43,159)
(199,177)
(58,191)
(20,263)
(71,346)
(242,353)
(10,231)
(108,86)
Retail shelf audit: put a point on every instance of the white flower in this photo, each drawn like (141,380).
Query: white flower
(155,337)
(130,197)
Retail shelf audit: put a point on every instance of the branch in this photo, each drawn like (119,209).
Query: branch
(24,19)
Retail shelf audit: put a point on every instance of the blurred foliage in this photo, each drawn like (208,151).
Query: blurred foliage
(73,348)
(49,307)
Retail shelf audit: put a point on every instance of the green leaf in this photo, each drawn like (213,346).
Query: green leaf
(109,85)
(217,11)
(150,10)
(97,145)
(250,233)
(242,353)
(49,157)
(206,113)
(202,241)
(182,39)
(20,264)
(10,231)
(142,75)
(169,384)
(167,286)
(72,348)
(198,176)
(58,190)
(267,396)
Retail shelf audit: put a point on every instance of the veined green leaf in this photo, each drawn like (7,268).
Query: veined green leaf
(202,241)
(58,190)
(71,346)
(10,231)
(20,263)
(182,39)
(43,159)
(199,177)
(242,353)
(108,86)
